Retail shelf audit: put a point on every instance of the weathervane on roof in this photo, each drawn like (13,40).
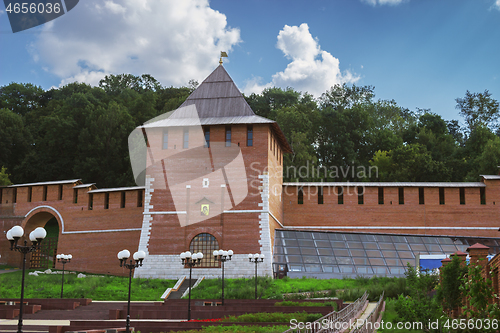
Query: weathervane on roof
(222,55)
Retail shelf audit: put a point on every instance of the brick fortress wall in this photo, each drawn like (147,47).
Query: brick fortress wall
(93,236)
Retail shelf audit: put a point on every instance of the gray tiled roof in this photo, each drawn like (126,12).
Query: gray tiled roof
(56,182)
(116,189)
(218,102)
(491,177)
(177,122)
(84,185)
(218,96)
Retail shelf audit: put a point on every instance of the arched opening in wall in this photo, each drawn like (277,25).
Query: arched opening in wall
(45,257)
(206,244)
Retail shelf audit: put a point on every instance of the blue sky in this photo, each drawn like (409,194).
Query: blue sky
(421,53)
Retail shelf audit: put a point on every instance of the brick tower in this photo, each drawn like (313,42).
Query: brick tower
(213,181)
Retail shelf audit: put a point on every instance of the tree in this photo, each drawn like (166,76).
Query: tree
(478,109)
(116,84)
(479,292)
(449,291)
(296,124)
(15,141)
(409,163)
(345,96)
(418,306)
(4,177)
(273,99)
(20,98)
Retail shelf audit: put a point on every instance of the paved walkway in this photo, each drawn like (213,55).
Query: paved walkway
(368,310)
(8,270)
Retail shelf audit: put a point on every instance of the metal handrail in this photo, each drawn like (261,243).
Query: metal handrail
(344,315)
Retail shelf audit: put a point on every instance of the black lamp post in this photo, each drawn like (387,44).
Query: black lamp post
(64,259)
(191,260)
(131,265)
(36,238)
(223,256)
(256,258)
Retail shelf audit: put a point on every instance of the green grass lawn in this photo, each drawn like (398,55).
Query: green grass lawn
(116,288)
(347,289)
(107,288)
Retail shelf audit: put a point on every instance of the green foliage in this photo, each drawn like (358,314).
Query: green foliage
(478,109)
(391,316)
(107,288)
(346,289)
(449,292)
(4,177)
(418,305)
(479,293)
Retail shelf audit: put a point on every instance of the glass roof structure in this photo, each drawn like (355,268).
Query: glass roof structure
(337,255)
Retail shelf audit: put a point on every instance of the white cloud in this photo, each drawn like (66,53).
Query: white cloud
(311,69)
(383,2)
(172,40)
(497,4)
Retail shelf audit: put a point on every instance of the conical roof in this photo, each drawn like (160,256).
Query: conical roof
(217,101)
(218,96)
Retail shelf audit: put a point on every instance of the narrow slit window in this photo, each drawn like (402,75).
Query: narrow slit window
(30,192)
(44,193)
(165,139)
(106,200)
(340,195)
(75,195)
(482,192)
(361,195)
(320,195)
(421,198)
(1,196)
(14,196)
(300,196)
(60,192)
(206,130)
(401,193)
(441,195)
(122,201)
(145,137)
(228,136)
(462,196)
(139,199)
(380,195)
(249,136)
(91,201)
(185,144)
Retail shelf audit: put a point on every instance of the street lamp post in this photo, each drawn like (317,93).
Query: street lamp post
(36,238)
(131,265)
(64,259)
(223,256)
(256,258)
(191,260)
